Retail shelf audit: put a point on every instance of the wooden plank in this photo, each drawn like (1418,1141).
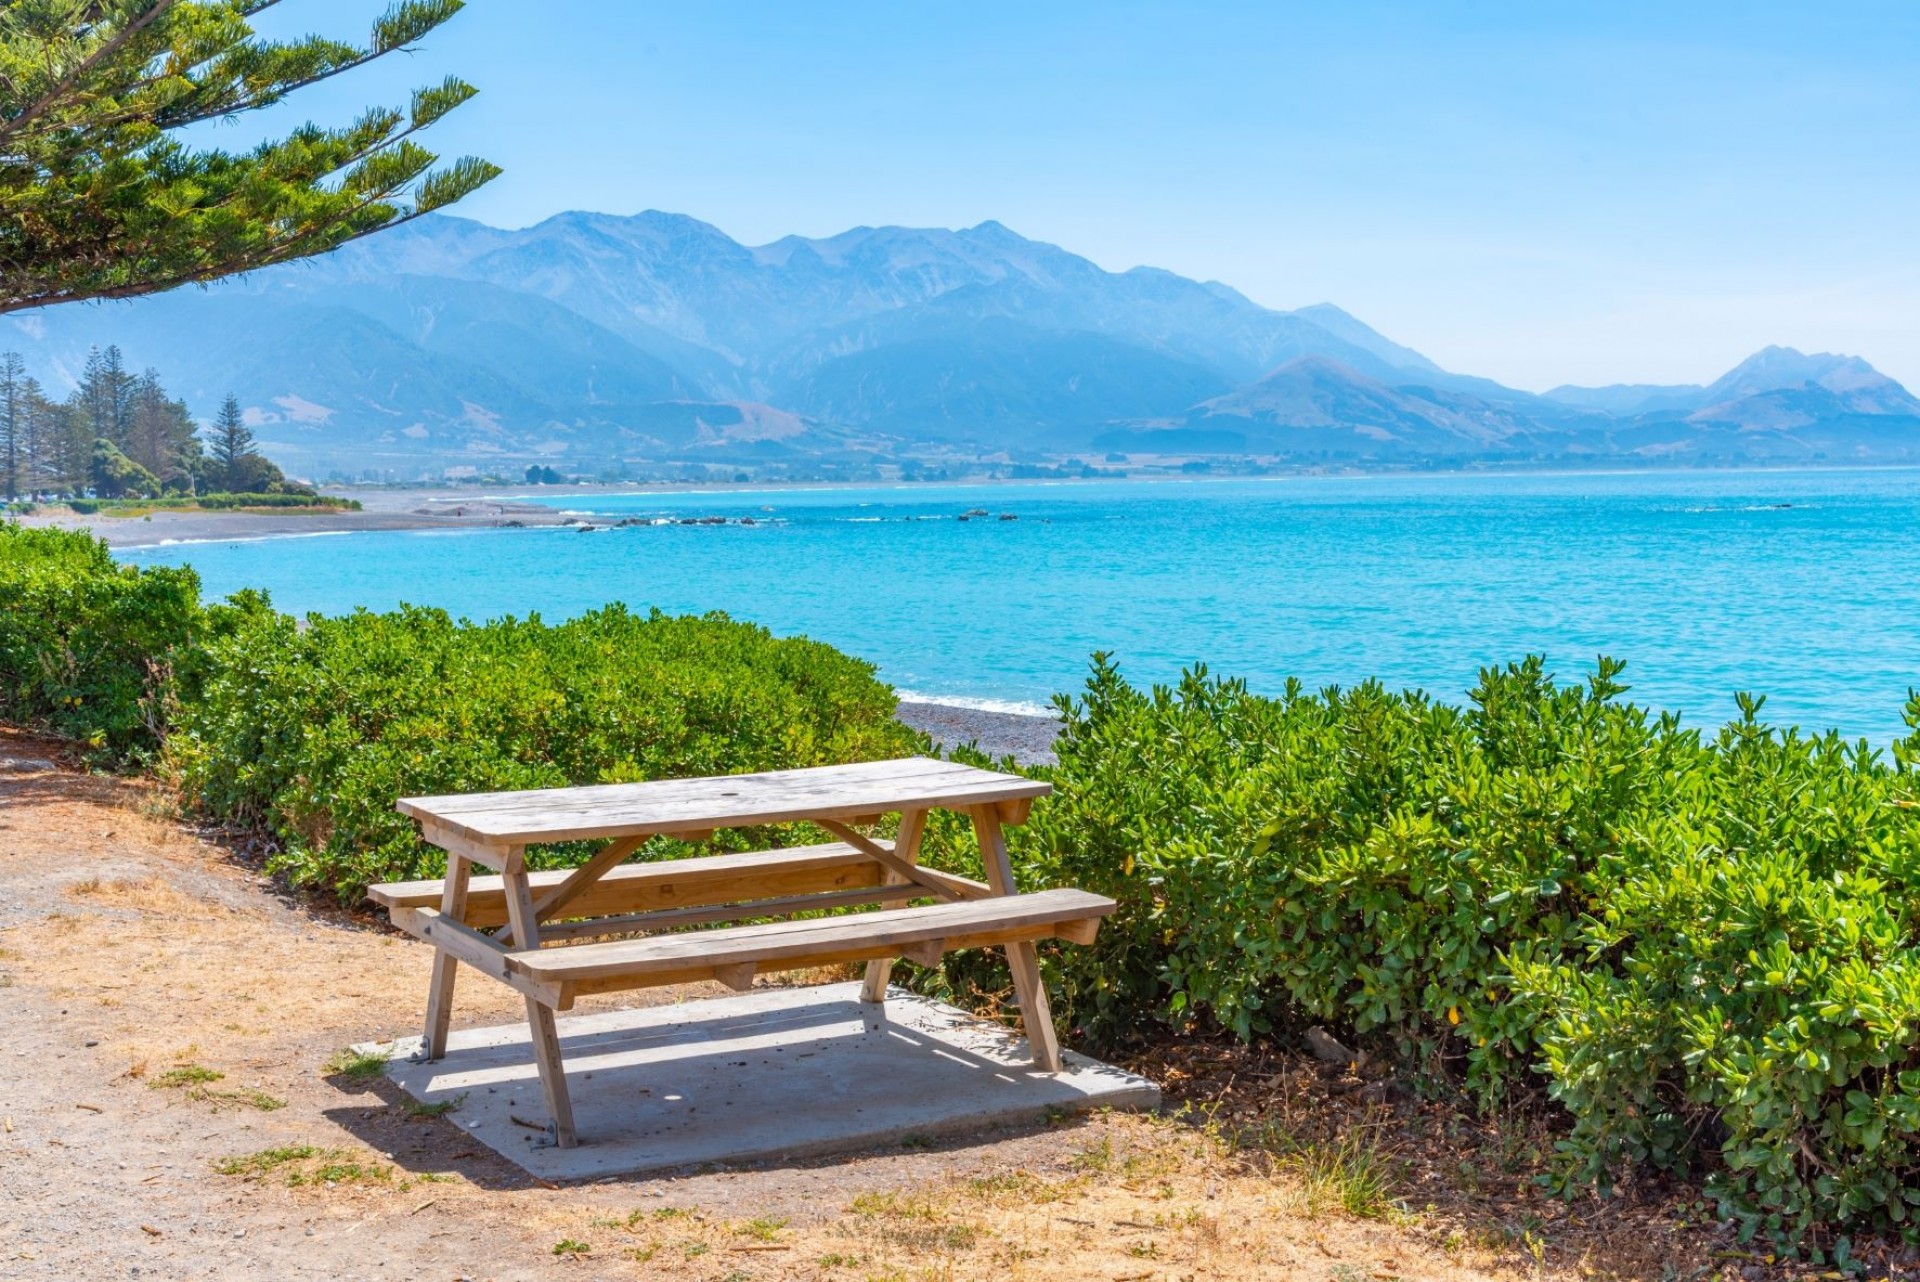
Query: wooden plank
(960,887)
(693,971)
(672,918)
(607,857)
(553,1071)
(738,977)
(888,930)
(454,841)
(480,951)
(1079,932)
(446,967)
(925,953)
(906,846)
(1028,987)
(942,884)
(1014,813)
(546,1038)
(690,805)
(671,883)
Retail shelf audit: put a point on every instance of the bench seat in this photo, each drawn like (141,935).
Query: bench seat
(733,955)
(673,883)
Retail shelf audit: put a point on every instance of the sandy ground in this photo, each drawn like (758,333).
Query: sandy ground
(168,1022)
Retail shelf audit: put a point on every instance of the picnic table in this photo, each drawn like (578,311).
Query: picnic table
(655,903)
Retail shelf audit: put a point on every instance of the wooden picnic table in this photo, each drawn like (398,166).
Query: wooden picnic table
(656,901)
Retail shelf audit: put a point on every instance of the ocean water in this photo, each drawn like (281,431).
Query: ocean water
(1802,586)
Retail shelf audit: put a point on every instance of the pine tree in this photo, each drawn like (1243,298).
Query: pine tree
(100,197)
(160,427)
(64,446)
(230,448)
(14,415)
(70,442)
(43,423)
(105,397)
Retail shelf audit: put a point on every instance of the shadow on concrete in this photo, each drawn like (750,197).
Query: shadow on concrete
(777,1076)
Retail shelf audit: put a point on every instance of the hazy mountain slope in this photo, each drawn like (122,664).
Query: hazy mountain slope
(686,279)
(1345,327)
(1627,398)
(1314,403)
(999,384)
(1855,385)
(1857,388)
(530,342)
(362,377)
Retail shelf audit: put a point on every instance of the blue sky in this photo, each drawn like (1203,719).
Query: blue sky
(1536,193)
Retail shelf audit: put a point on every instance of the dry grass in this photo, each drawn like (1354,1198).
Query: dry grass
(1148,1199)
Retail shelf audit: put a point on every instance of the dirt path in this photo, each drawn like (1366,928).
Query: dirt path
(166,1028)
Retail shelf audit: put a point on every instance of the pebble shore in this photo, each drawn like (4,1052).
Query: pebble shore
(1027,739)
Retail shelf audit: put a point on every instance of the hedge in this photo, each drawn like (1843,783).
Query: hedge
(211,503)
(313,729)
(88,648)
(1705,948)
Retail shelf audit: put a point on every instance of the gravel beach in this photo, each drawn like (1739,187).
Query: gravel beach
(1027,739)
(380,510)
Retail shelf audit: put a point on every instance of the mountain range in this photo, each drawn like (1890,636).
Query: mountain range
(606,345)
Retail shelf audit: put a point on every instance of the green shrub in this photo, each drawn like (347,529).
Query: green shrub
(1705,948)
(89,648)
(212,503)
(312,731)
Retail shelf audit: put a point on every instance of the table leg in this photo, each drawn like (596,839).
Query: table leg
(906,844)
(1035,1014)
(546,1039)
(453,906)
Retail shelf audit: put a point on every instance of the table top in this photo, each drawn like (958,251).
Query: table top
(725,801)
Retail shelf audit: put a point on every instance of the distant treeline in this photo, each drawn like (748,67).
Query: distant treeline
(120,435)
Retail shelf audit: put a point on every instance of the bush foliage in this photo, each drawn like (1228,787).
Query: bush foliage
(313,729)
(213,503)
(89,648)
(1704,947)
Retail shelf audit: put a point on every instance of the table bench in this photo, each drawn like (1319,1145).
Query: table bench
(653,904)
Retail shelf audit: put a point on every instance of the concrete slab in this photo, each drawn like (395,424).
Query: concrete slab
(776,1073)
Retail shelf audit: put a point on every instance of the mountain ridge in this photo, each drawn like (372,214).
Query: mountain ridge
(647,342)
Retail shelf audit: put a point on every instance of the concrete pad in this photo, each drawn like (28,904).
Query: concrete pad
(775,1073)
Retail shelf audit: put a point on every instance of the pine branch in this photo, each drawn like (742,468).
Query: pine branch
(106,50)
(99,200)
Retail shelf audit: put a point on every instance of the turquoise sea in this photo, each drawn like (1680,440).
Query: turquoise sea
(1803,586)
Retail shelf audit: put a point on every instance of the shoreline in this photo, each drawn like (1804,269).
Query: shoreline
(393,510)
(480,507)
(1025,737)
